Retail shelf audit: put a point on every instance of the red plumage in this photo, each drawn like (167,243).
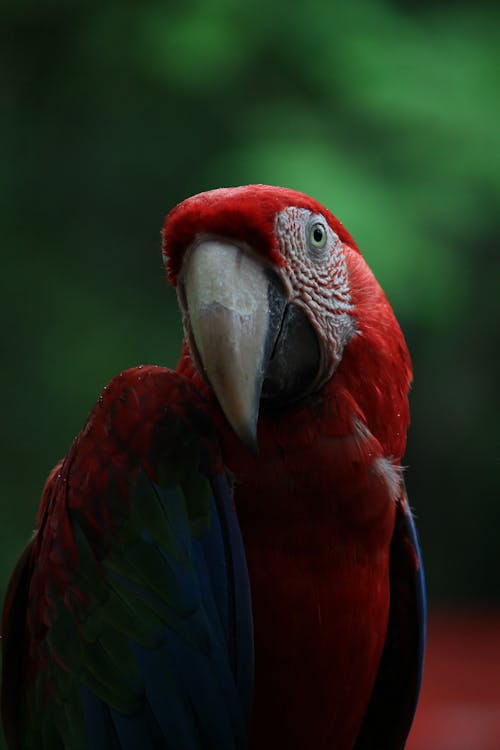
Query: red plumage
(245,213)
(123,433)
(316,506)
(129,611)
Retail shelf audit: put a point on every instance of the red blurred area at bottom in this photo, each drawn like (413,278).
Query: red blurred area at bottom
(459,708)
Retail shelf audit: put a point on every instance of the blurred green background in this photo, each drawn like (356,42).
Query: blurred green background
(386,112)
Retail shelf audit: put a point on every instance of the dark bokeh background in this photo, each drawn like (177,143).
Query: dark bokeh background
(387,112)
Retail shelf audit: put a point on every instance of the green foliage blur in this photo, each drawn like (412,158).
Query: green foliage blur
(112,112)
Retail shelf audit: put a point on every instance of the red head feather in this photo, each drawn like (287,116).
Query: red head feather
(245,213)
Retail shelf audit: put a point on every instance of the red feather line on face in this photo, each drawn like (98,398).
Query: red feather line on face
(246,214)
(317,506)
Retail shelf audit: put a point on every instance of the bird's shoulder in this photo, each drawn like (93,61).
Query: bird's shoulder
(136,539)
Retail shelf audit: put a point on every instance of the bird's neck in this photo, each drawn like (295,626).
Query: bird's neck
(318,464)
(316,508)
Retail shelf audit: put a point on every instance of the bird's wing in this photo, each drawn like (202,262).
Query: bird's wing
(392,706)
(127,622)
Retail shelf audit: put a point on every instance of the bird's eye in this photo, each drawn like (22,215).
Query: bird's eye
(317,236)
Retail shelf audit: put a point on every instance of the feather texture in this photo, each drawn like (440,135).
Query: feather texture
(134,600)
(128,620)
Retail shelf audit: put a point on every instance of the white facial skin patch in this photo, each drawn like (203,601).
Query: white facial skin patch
(317,269)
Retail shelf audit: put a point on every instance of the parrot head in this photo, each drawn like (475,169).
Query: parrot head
(272,289)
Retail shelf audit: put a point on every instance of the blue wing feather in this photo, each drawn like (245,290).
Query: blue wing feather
(394,700)
(129,615)
(194,697)
(420,599)
(240,604)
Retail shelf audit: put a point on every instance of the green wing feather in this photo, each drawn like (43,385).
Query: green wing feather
(95,594)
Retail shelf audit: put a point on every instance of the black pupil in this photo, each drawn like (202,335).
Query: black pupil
(318,234)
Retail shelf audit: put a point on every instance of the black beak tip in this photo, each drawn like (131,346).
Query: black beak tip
(249,440)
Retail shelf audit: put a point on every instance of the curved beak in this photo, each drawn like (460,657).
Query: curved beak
(235,307)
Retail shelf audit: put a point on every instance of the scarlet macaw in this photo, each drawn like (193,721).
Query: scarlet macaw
(128,621)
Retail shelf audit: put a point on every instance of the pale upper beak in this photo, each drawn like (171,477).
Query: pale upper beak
(235,306)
